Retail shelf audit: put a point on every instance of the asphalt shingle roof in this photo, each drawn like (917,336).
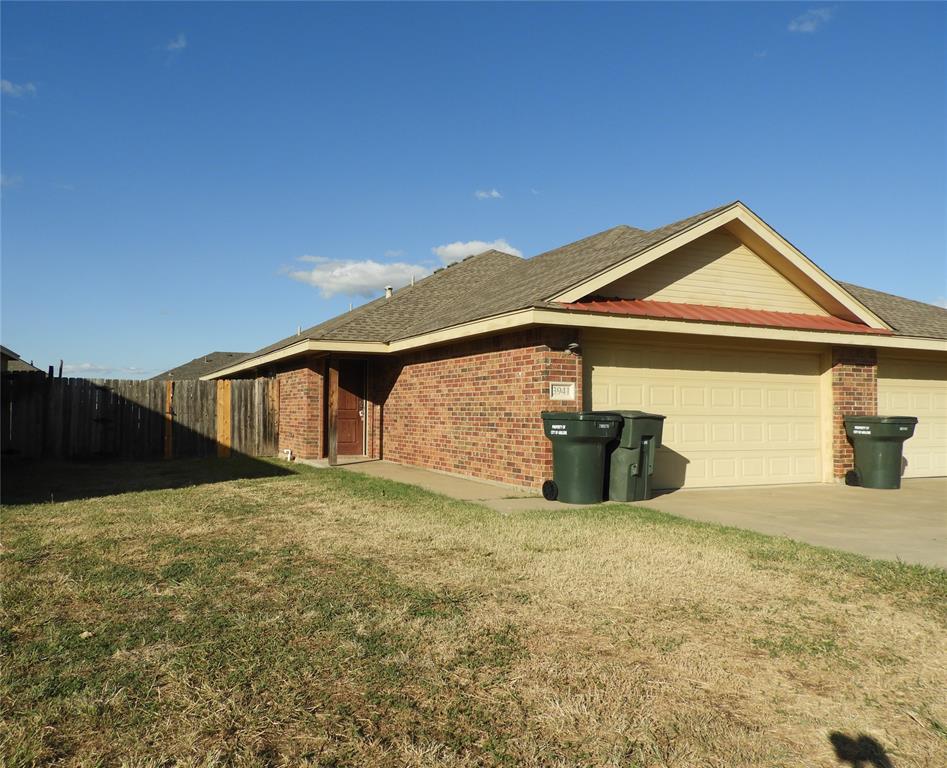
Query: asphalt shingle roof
(906,316)
(484,285)
(200,366)
(493,283)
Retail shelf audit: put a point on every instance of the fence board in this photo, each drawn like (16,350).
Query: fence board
(82,418)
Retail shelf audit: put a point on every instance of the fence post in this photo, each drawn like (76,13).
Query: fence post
(223,418)
(169,419)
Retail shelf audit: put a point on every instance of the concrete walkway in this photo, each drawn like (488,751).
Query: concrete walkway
(456,487)
(909,524)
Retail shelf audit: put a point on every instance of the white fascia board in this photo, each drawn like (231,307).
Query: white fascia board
(581,319)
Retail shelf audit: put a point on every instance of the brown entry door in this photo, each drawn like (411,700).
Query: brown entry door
(351,418)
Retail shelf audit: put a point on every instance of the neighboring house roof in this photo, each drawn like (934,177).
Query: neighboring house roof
(495,283)
(200,366)
(12,363)
(906,316)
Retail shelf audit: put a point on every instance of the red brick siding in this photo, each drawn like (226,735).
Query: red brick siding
(300,408)
(378,373)
(474,408)
(854,393)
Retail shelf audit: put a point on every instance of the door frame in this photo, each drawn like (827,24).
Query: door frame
(334,361)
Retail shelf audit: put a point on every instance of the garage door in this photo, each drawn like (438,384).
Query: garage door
(917,387)
(734,417)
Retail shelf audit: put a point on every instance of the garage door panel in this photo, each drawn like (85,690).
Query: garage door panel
(752,435)
(922,401)
(751,398)
(891,402)
(917,387)
(806,466)
(633,395)
(805,400)
(661,397)
(693,397)
(732,418)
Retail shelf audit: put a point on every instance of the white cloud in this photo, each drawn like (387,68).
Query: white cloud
(366,278)
(811,20)
(760,54)
(9,181)
(451,252)
(16,90)
(940,301)
(96,371)
(488,194)
(177,44)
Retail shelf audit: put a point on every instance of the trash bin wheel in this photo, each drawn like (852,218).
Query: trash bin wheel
(550,490)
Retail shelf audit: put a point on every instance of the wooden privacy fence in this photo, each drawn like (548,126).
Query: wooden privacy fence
(84,418)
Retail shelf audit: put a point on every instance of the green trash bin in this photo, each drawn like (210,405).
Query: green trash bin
(632,460)
(578,454)
(878,442)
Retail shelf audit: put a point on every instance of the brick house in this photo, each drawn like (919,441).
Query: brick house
(752,352)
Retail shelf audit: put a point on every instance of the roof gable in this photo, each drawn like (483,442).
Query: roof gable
(762,239)
(716,270)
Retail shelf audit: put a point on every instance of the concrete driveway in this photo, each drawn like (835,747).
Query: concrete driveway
(909,524)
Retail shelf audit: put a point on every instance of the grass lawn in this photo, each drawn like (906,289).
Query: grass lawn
(324,617)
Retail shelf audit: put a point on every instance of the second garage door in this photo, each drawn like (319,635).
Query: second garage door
(734,416)
(917,387)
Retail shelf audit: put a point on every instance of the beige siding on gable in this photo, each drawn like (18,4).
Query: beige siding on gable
(716,270)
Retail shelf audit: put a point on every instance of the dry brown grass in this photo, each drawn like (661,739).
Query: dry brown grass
(328,618)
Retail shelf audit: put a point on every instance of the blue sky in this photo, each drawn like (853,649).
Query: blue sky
(180,178)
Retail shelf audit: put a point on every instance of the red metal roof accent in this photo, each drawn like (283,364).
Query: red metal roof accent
(730,315)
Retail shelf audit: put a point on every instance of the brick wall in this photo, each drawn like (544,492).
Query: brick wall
(474,408)
(300,408)
(854,393)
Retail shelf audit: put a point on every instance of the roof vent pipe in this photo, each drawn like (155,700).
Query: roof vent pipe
(299,330)
(387,291)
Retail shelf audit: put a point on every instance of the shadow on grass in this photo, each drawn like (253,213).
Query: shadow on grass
(860,752)
(33,481)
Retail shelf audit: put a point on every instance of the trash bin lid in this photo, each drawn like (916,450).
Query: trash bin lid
(581,416)
(881,419)
(639,415)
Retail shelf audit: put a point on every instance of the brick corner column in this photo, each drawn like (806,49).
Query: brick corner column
(300,409)
(556,364)
(854,393)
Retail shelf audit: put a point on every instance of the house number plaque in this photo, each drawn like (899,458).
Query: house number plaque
(561,390)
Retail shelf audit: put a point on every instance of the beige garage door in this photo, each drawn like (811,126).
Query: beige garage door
(734,417)
(917,387)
